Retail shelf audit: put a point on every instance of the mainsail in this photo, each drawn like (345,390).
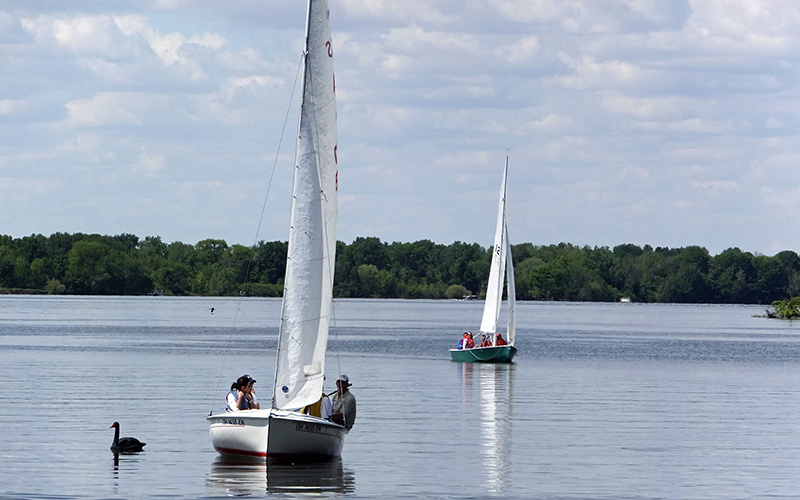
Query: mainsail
(497,273)
(308,287)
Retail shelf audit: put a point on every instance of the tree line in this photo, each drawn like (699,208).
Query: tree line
(127,265)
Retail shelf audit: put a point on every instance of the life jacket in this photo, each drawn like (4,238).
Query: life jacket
(315,409)
(235,399)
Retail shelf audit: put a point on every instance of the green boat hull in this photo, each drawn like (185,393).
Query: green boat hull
(497,354)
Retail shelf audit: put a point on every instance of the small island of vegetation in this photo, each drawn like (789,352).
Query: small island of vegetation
(786,309)
(124,264)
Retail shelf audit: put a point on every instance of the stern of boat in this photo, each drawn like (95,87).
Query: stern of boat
(242,433)
(295,435)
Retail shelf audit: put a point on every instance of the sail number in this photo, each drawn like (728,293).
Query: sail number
(308,427)
(330,48)
(231,421)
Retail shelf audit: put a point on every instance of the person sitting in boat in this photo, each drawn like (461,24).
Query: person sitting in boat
(466,341)
(344,404)
(252,401)
(500,340)
(237,398)
(485,342)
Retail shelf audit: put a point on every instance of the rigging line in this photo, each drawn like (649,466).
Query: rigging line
(261,217)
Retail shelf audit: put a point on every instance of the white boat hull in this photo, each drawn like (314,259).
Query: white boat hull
(275,434)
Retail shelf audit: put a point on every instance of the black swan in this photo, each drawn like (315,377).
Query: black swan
(126,444)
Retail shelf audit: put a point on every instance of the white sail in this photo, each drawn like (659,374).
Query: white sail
(311,256)
(494,289)
(512,294)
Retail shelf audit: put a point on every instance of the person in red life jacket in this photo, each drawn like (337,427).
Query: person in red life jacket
(500,340)
(485,342)
(466,341)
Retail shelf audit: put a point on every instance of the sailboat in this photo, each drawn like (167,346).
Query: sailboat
(502,270)
(283,431)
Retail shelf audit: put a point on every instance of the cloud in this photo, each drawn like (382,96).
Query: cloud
(647,108)
(9,106)
(591,73)
(150,165)
(109,108)
(95,35)
(716,188)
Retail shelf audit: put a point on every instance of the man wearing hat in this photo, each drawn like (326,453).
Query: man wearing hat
(344,404)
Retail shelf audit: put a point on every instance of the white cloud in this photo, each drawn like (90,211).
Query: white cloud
(108,108)
(9,106)
(550,123)
(519,51)
(648,108)
(150,165)
(716,188)
(588,73)
(774,123)
(410,11)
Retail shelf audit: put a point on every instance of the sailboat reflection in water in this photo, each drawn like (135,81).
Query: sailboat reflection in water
(496,404)
(239,476)
(492,385)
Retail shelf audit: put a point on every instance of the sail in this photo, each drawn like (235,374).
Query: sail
(308,285)
(494,289)
(512,293)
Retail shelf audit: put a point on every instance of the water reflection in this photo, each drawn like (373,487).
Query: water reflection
(241,476)
(495,393)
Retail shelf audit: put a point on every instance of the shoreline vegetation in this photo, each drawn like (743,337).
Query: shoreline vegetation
(124,264)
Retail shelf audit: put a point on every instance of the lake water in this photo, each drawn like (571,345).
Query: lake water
(604,401)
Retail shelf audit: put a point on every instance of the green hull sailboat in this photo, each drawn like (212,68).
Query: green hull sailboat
(502,270)
(494,354)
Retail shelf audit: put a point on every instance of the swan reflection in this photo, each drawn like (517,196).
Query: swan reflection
(243,476)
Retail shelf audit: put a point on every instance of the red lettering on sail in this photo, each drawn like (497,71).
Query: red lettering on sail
(335,154)
(330,48)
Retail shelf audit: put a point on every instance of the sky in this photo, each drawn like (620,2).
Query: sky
(661,122)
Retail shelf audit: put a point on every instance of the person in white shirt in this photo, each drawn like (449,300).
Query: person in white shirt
(344,403)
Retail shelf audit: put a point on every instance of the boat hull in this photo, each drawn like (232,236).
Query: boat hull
(275,434)
(495,354)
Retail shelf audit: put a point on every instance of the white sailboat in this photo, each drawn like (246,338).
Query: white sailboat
(501,271)
(283,431)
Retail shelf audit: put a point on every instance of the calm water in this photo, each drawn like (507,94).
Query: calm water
(604,401)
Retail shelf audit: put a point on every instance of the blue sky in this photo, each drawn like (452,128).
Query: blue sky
(669,123)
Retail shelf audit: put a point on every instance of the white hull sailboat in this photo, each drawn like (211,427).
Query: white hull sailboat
(501,271)
(283,431)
